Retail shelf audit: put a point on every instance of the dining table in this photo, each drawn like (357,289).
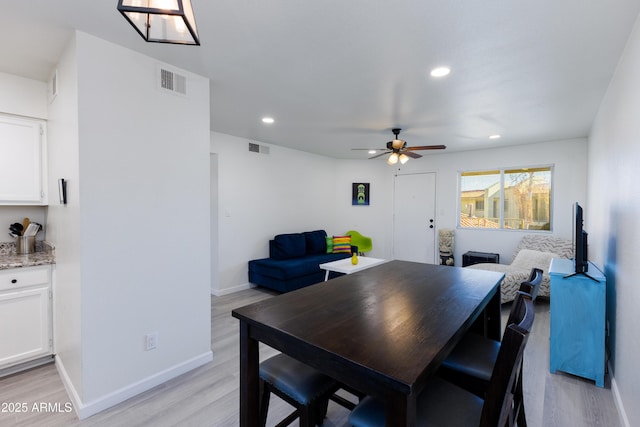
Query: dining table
(382,331)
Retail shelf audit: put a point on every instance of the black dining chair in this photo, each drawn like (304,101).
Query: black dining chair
(471,362)
(443,403)
(475,355)
(303,387)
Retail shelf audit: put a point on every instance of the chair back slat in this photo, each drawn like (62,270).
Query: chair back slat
(532,284)
(502,402)
(518,309)
(529,287)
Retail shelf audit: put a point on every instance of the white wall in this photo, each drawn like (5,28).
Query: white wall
(22,97)
(63,221)
(611,217)
(291,191)
(568,157)
(135,243)
(261,195)
(375,220)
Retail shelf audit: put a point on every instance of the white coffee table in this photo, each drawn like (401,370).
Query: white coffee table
(345,266)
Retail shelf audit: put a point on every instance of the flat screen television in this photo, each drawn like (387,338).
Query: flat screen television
(581,258)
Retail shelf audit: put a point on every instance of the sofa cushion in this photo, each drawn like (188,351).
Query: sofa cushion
(545,243)
(285,285)
(518,271)
(292,268)
(528,259)
(285,246)
(316,241)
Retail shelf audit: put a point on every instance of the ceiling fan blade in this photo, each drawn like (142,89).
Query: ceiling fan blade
(379,155)
(427,147)
(412,154)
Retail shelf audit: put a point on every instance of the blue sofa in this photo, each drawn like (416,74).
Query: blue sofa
(293,261)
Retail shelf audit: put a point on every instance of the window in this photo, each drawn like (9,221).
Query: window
(516,199)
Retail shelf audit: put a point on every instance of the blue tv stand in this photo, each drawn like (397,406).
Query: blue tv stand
(577,321)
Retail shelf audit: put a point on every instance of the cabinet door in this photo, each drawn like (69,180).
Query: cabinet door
(577,327)
(25,331)
(22,161)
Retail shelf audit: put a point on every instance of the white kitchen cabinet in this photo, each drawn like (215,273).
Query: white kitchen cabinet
(25,315)
(23,161)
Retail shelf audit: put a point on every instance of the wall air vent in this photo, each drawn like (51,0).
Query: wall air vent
(256,148)
(172,81)
(53,86)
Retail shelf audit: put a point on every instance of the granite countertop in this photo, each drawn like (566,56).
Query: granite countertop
(45,254)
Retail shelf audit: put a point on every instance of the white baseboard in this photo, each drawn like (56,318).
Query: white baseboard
(68,385)
(233,289)
(618,400)
(87,409)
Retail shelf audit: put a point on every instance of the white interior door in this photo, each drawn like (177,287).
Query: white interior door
(414,224)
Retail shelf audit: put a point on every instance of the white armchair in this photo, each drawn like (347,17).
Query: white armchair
(534,250)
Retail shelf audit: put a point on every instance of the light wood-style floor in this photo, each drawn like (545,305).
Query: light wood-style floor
(208,396)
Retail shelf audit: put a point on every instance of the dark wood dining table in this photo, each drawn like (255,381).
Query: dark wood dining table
(383,331)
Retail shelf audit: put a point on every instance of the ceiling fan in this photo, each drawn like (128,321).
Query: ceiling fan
(399,150)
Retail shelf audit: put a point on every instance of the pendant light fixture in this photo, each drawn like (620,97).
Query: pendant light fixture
(162,21)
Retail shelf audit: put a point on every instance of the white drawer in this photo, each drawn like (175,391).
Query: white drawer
(15,278)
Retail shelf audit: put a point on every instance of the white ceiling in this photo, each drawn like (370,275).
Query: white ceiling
(338,74)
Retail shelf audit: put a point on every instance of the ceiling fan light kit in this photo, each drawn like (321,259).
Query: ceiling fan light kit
(397,144)
(398,150)
(393,159)
(162,21)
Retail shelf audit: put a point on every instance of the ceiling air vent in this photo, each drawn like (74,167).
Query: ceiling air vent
(172,81)
(255,148)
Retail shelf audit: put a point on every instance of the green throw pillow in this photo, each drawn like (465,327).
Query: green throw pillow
(329,244)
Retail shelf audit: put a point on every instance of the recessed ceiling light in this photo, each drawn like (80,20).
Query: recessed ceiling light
(440,72)
(372,151)
(268,120)
(495,136)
